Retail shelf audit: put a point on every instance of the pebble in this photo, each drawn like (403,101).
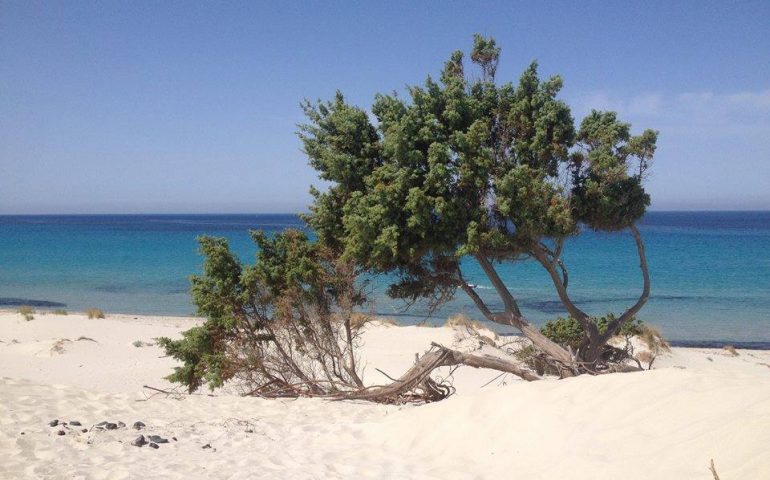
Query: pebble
(208,445)
(75,423)
(154,445)
(61,432)
(85,430)
(53,423)
(139,441)
(157,439)
(139,425)
(121,424)
(173,438)
(111,426)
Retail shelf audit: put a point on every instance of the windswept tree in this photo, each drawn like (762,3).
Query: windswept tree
(286,326)
(468,168)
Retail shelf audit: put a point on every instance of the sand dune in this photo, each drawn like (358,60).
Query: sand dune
(667,423)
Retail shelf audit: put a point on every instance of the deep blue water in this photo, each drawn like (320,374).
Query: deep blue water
(710,270)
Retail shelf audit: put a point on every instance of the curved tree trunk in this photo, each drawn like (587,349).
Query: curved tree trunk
(512,316)
(594,343)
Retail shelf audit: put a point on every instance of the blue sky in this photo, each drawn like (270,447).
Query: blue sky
(192,106)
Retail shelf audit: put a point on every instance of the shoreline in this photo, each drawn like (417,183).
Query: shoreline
(760,345)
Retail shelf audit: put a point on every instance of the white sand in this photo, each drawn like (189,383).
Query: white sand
(698,404)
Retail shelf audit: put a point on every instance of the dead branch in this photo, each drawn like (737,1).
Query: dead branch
(416,383)
(713,470)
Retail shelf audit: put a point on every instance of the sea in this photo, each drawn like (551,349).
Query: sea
(710,271)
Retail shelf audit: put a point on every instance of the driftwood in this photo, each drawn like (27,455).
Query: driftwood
(416,384)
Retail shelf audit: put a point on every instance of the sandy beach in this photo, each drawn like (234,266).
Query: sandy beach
(697,404)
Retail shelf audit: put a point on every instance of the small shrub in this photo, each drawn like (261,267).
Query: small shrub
(94,313)
(565,331)
(654,339)
(568,332)
(59,312)
(27,312)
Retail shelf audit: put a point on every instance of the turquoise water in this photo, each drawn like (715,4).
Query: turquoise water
(710,270)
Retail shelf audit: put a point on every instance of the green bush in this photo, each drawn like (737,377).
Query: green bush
(568,332)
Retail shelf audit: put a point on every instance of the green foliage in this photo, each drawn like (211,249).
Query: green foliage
(27,312)
(568,332)
(292,283)
(466,167)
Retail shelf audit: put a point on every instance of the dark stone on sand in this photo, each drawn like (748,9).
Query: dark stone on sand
(75,423)
(139,441)
(85,430)
(157,439)
(208,445)
(121,425)
(173,438)
(154,445)
(53,423)
(61,432)
(111,426)
(139,425)
(101,425)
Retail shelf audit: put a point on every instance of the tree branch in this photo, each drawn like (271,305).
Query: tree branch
(541,253)
(616,324)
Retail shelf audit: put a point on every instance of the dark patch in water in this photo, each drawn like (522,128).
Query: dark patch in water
(17,302)
(720,344)
(555,306)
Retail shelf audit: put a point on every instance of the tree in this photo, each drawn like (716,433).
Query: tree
(286,327)
(469,168)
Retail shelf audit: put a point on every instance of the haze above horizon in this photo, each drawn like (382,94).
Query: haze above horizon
(190,108)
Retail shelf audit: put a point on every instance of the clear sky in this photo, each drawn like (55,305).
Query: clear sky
(192,106)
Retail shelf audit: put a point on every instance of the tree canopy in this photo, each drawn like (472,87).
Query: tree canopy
(465,166)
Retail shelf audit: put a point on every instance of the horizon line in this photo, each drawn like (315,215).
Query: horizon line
(301,212)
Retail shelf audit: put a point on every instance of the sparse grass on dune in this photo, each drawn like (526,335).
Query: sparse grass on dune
(94,313)
(27,312)
(59,312)
(462,320)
